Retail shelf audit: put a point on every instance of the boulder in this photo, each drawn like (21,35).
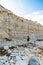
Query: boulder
(33,61)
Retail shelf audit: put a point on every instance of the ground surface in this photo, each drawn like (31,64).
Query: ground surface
(20,55)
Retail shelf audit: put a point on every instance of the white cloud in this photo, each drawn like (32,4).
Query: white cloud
(15,6)
(35,16)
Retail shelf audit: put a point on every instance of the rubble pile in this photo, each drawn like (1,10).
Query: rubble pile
(21,55)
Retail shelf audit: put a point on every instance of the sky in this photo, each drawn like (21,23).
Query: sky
(29,9)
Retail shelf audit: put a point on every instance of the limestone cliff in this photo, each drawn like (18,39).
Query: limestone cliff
(12,26)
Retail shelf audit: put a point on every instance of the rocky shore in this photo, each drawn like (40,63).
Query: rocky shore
(21,55)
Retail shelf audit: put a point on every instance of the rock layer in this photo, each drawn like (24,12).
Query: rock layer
(12,26)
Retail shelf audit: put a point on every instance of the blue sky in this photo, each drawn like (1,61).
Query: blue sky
(30,9)
(32,5)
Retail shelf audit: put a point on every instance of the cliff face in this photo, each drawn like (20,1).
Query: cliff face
(12,26)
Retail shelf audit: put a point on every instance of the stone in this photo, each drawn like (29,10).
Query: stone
(6,47)
(33,61)
(40,47)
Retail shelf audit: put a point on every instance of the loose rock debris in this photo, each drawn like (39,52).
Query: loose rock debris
(21,55)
